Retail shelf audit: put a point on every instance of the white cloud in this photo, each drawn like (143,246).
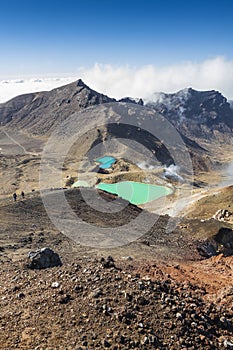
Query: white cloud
(212,74)
(11,88)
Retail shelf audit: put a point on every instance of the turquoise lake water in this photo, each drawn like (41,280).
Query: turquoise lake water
(136,192)
(106,161)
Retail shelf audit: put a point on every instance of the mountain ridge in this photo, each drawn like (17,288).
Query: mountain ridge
(201,117)
(199,114)
(40,112)
(194,113)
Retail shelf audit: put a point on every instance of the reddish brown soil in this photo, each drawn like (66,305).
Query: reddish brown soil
(130,305)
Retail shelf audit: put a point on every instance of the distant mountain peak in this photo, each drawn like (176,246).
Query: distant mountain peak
(193,112)
(39,113)
(81,83)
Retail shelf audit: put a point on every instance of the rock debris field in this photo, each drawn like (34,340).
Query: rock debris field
(101,303)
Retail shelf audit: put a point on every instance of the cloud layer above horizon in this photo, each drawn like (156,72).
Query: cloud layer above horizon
(121,81)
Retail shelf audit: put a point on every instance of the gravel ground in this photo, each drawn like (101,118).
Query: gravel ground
(101,303)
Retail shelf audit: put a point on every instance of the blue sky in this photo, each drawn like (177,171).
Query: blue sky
(121,48)
(41,37)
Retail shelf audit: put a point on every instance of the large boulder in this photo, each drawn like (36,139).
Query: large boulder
(43,258)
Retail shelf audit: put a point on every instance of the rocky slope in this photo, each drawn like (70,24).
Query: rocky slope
(156,293)
(207,206)
(40,113)
(199,116)
(196,114)
(89,304)
(25,225)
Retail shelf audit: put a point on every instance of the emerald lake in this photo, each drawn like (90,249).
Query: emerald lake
(136,192)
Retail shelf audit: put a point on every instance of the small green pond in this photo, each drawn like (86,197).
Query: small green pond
(136,192)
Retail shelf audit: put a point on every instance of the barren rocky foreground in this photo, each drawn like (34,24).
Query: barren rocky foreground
(92,303)
(160,292)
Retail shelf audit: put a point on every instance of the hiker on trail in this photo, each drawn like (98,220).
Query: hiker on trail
(22,194)
(14,196)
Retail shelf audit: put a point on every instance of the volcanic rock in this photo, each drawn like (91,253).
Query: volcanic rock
(43,259)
